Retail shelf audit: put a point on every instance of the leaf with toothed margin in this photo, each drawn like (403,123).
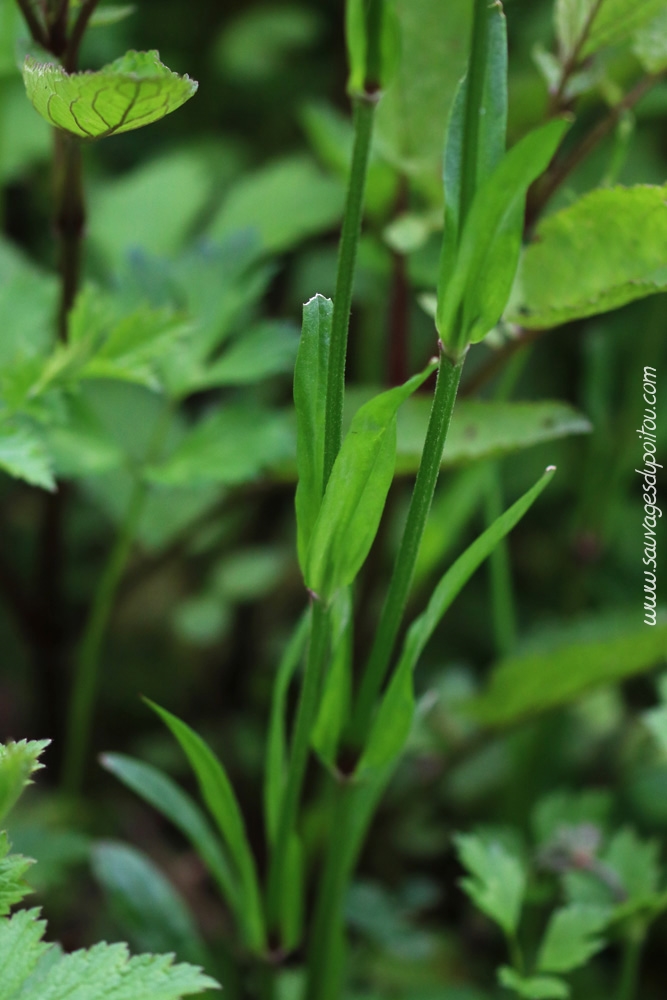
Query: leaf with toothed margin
(130,92)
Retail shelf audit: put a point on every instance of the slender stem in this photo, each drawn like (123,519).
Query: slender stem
(86,11)
(69,220)
(449,375)
(364,114)
(309,699)
(630,965)
(326,953)
(572,61)
(82,700)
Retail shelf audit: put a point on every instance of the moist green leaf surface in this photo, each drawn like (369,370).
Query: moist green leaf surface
(130,92)
(604,251)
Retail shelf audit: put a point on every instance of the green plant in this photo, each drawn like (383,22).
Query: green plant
(32,968)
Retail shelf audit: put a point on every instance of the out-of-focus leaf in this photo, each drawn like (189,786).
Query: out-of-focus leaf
(310,389)
(636,862)
(219,796)
(533,987)
(497,880)
(354,499)
(650,44)
(130,92)
(79,445)
(145,904)
(562,670)
(616,20)
(232,445)
(267,349)
(153,207)
(110,14)
(607,249)
(24,139)
(259,42)
(23,454)
(572,937)
(285,202)
(412,114)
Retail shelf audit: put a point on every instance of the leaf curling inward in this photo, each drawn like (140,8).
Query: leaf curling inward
(130,92)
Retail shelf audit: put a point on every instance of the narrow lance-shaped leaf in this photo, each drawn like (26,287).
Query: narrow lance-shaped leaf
(491,242)
(335,701)
(605,250)
(355,496)
(310,391)
(156,788)
(219,796)
(392,724)
(130,92)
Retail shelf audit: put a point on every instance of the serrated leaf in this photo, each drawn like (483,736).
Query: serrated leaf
(24,455)
(636,862)
(219,796)
(13,887)
(572,937)
(392,724)
(354,499)
(604,251)
(130,92)
(566,666)
(156,788)
(497,880)
(533,987)
(310,389)
(18,762)
(21,948)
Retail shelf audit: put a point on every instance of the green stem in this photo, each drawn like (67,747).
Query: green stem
(69,220)
(82,701)
(364,114)
(327,950)
(631,961)
(309,699)
(449,375)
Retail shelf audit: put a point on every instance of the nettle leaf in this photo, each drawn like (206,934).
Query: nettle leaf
(565,665)
(130,92)
(497,880)
(13,867)
(607,249)
(571,937)
(24,455)
(18,762)
(650,44)
(533,987)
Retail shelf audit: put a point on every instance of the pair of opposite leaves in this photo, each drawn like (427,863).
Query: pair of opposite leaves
(130,92)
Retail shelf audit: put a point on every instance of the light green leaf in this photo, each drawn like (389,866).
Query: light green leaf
(490,244)
(533,987)
(18,762)
(336,697)
(156,788)
(276,744)
(412,114)
(356,492)
(616,20)
(21,948)
(260,41)
(79,445)
(363,21)
(650,44)
(23,454)
(232,445)
(482,429)
(130,92)
(392,724)
(13,887)
(110,14)
(264,350)
(565,667)
(219,796)
(497,879)
(571,937)
(285,202)
(637,864)
(607,249)
(310,389)
(144,902)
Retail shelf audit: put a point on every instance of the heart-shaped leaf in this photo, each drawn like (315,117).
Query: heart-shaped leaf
(130,92)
